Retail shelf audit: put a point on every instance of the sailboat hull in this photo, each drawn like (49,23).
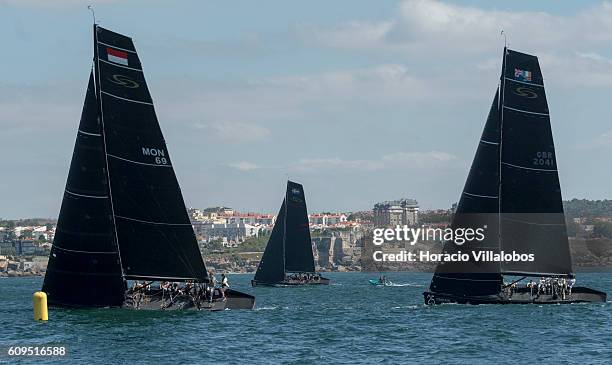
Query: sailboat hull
(239,300)
(322,281)
(520,296)
(157,300)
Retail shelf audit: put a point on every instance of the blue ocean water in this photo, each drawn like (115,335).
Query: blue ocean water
(349,321)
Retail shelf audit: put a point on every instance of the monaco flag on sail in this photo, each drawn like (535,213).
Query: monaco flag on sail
(117,56)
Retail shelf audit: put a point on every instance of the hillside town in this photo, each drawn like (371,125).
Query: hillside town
(233,241)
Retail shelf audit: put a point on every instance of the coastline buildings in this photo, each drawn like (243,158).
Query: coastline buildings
(396,212)
(232,227)
(38,233)
(26,240)
(24,248)
(223,215)
(229,233)
(227,225)
(326,219)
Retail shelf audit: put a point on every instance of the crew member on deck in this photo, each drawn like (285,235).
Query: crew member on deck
(224,284)
(563,287)
(530,285)
(572,282)
(212,282)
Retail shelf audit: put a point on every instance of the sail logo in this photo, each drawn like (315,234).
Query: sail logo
(522,75)
(295,196)
(525,92)
(159,154)
(124,81)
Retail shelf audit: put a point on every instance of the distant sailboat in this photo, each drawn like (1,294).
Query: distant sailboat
(288,258)
(123,216)
(513,190)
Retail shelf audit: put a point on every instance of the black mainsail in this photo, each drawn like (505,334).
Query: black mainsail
(513,190)
(289,248)
(298,244)
(154,233)
(531,209)
(123,215)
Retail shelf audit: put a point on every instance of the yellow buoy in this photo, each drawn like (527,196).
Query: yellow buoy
(41,312)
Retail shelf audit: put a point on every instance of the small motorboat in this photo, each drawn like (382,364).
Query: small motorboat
(378,282)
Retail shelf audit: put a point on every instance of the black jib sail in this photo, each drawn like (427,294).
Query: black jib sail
(289,248)
(84,268)
(123,214)
(512,190)
(477,208)
(271,267)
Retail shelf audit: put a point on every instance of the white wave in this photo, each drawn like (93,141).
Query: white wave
(266,308)
(406,307)
(407,284)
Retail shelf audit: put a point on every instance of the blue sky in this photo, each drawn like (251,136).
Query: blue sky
(361,101)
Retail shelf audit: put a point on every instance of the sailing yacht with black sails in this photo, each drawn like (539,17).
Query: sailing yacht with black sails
(288,258)
(123,216)
(513,191)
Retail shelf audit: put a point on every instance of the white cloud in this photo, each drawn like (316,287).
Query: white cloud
(244,166)
(346,35)
(429,51)
(464,41)
(235,132)
(399,160)
(37,116)
(316,165)
(437,27)
(382,83)
(394,161)
(604,139)
(418,159)
(601,141)
(42,107)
